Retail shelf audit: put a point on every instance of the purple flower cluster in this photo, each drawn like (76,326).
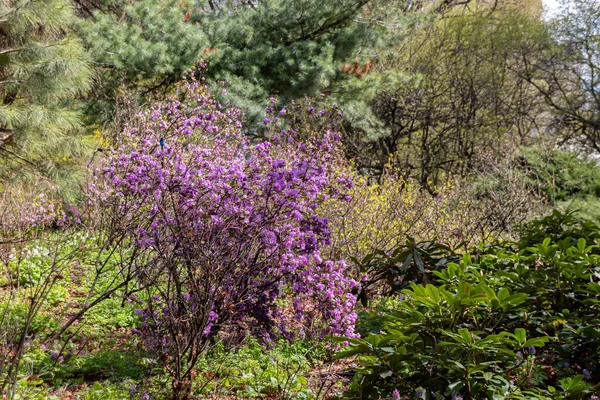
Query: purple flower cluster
(40,211)
(233,229)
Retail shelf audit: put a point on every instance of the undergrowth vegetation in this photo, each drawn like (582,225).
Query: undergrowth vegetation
(505,320)
(204,265)
(299,199)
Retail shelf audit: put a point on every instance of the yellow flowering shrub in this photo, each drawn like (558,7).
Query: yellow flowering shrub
(382,216)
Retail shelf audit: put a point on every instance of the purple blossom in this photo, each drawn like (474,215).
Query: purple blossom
(237,225)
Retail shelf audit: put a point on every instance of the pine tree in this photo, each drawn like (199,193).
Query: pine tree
(288,48)
(262,48)
(140,47)
(43,68)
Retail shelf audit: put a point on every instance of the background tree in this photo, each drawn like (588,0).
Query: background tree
(449,93)
(139,48)
(282,47)
(568,74)
(43,67)
(265,48)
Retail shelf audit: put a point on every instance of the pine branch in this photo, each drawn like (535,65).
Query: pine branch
(16,49)
(12,153)
(14,10)
(13,50)
(331,22)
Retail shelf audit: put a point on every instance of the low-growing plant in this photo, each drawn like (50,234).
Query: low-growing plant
(32,262)
(254,371)
(389,272)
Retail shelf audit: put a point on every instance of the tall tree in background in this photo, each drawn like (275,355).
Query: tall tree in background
(449,92)
(568,76)
(288,48)
(43,67)
(139,48)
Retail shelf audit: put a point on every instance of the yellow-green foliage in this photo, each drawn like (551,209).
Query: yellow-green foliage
(382,216)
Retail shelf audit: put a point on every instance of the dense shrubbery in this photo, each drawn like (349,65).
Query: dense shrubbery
(382,216)
(569,180)
(509,320)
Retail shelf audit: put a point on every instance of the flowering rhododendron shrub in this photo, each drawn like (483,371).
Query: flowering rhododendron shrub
(233,228)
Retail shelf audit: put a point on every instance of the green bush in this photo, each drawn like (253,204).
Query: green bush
(561,174)
(569,181)
(511,320)
(392,271)
(558,226)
